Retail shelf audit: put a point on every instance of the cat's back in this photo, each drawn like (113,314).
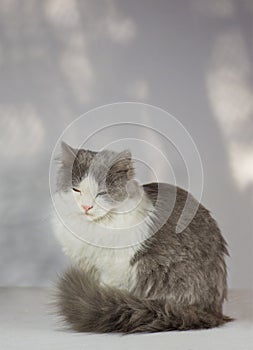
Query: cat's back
(199,229)
(187,266)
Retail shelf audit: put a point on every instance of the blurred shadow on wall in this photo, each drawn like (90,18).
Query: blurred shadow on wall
(230,93)
(229,86)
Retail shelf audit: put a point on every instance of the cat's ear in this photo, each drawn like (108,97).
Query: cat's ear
(123,164)
(125,155)
(68,154)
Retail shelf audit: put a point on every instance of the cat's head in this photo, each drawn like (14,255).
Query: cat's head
(101,182)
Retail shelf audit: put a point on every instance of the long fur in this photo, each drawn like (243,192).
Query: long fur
(89,306)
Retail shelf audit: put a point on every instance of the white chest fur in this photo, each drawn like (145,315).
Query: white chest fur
(91,245)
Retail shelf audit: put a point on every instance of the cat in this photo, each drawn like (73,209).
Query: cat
(132,272)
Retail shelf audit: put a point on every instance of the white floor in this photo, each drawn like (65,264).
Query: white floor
(26,323)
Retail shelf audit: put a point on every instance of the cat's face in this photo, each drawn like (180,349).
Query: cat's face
(100,182)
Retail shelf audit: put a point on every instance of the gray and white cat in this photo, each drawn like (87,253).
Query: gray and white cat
(132,272)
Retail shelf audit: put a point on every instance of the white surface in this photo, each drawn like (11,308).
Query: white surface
(26,323)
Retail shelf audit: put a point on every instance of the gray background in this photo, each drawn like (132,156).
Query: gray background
(58,59)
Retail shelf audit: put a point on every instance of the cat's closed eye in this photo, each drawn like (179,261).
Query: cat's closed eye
(76,189)
(101,193)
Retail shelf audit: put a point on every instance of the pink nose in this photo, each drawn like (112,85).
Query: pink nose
(87,207)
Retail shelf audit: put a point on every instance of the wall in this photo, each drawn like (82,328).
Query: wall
(58,59)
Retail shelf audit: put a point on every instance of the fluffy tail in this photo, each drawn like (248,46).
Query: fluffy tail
(90,307)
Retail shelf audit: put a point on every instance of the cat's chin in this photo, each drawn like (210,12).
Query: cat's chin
(95,218)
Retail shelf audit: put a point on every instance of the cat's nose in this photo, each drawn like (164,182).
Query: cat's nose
(87,207)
